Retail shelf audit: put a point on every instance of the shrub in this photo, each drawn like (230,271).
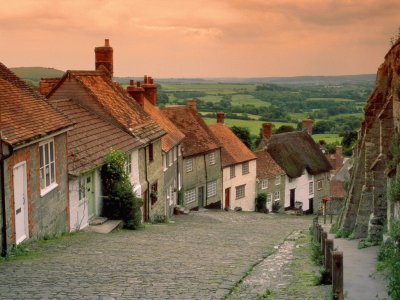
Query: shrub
(389,259)
(120,201)
(276,206)
(261,201)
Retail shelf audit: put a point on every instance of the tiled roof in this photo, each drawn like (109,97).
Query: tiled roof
(25,115)
(91,138)
(266,166)
(198,137)
(296,151)
(233,150)
(117,103)
(174,136)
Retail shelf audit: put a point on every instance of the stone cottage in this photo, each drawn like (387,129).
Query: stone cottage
(35,190)
(201,151)
(238,168)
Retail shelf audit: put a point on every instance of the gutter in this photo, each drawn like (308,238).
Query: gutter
(2,196)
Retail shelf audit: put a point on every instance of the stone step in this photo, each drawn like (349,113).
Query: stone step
(105,227)
(97,221)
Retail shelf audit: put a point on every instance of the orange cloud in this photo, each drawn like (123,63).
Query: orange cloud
(201,38)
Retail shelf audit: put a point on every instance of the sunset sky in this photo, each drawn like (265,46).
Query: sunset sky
(201,38)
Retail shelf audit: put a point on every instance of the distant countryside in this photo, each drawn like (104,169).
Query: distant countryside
(335,103)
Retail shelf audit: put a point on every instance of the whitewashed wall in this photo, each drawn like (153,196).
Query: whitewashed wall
(301,184)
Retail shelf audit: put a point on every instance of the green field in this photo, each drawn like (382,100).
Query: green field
(329,138)
(330,99)
(211,88)
(253,125)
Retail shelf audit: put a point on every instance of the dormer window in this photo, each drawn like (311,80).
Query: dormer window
(211,158)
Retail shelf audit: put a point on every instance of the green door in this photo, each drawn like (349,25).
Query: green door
(89,185)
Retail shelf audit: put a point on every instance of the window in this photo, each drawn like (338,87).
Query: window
(165,161)
(277,196)
(269,198)
(311,188)
(277,180)
(190,196)
(47,166)
(264,184)
(151,154)
(189,165)
(211,189)
(232,171)
(245,168)
(211,158)
(319,185)
(171,157)
(128,164)
(175,154)
(240,191)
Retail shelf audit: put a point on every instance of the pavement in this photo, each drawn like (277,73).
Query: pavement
(360,277)
(202,255)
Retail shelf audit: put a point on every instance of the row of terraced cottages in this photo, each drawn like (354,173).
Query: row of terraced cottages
(61,136)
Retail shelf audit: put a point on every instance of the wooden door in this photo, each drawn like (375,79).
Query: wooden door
(227,197)
(20,203)
(311,205)
(292,197)
(201,197)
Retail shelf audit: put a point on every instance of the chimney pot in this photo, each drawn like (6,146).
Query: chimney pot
(151,81)
(220,117)
(191,104)
(104,57)
(145,79)
(266,130)
(131,82)
(138,83)
(107,43)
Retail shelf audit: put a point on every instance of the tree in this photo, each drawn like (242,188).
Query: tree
(285,128)
(243,133)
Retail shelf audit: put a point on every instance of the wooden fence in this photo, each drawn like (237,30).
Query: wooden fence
(333,260)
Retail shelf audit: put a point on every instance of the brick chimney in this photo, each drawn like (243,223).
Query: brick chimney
(338,157)
(266,130)
(307,125)
(220,117)
(104,57)
(136,92)
(150,89)
(191,104)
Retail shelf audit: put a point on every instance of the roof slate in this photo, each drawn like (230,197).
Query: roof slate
(198,137)
(174,136)
(25,115)
(117,103)
(233,150)
(266,166)
(91,138)
(296,151)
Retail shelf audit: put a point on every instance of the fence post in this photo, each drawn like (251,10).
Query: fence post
(323,238)
(337,275)
(328,257)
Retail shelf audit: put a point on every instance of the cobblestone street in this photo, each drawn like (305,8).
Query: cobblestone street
(199,256)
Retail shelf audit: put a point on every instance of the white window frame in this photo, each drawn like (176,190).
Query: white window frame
(211,158)
(264,184)
(49,167)
(278,180)
(165,161)
(240,191)
(211,188)
(171,158)
(232,171)
(128,164)
(189,165)
(175,151)
(311,188)
(245,168)
(277,196)
(179,150)
(190,196)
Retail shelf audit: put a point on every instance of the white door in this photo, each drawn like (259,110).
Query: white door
(20,203)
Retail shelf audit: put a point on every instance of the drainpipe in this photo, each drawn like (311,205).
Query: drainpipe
(3,198)
(205,167)
(148,183)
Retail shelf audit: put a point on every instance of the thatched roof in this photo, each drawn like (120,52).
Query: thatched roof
(296,151)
